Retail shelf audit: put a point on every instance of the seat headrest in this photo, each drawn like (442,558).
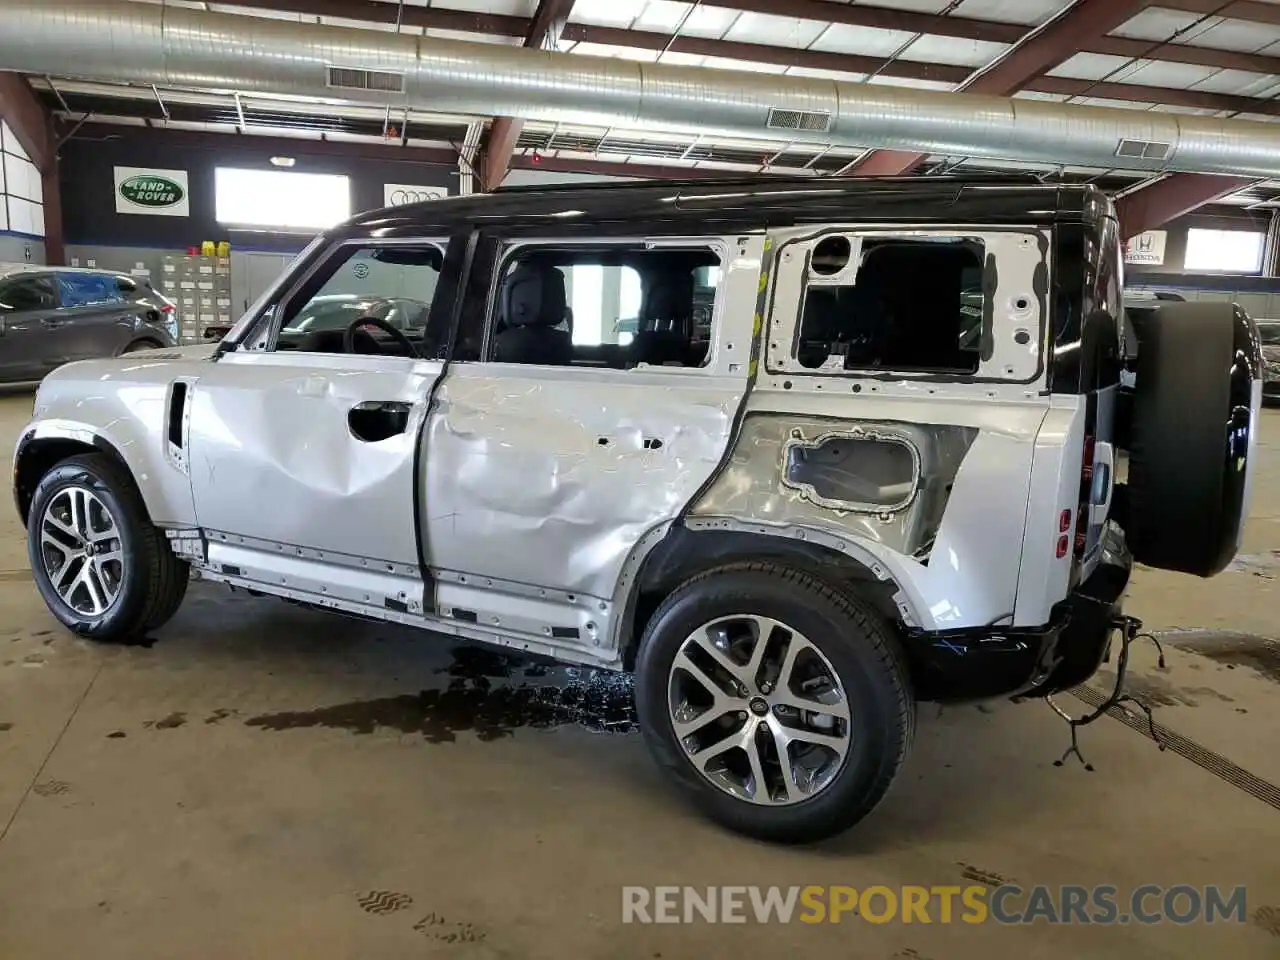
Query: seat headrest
(668,302)
(533,297)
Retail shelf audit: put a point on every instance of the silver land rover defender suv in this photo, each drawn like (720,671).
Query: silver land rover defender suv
(878,463)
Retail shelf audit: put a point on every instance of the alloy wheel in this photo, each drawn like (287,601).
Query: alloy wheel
(759,710)
(82,551)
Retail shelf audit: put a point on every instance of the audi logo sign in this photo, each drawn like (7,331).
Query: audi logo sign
(398,194)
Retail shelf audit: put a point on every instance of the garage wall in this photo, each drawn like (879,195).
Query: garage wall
(15,249)
(88,186)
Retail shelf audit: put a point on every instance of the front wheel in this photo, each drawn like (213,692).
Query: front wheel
(100,565)
(778,701)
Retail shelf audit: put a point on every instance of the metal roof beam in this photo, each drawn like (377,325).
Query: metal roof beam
(545,29)
(1152,206)
(1042,50)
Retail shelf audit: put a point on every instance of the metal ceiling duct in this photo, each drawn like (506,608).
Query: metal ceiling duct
(123,40)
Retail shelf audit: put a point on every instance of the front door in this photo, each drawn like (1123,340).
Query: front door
(28,325)
(306,448)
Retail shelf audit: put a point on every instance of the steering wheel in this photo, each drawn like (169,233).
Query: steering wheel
(349,338)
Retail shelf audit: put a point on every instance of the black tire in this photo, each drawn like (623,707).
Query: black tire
(154,581)
(137,345)
(1195,411)
(856,641)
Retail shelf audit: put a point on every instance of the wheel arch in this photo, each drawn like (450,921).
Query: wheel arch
(682,552)
(41,449)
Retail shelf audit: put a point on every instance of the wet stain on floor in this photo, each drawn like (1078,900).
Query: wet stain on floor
(382,902)
(14,576)
(1155,691)
(1259,654)
(487,696)
(172,721)
(51,788)
(1268,918)
(978,875)
(6,727)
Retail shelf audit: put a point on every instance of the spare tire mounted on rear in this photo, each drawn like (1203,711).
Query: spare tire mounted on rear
(1194,431)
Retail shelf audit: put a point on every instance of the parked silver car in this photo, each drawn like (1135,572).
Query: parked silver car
(54,315)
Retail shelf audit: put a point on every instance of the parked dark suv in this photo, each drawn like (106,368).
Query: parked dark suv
(53,315)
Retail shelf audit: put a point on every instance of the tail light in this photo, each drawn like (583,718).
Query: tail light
(167,309)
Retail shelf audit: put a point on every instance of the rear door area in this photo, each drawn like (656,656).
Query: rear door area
(94,320)
(560,438)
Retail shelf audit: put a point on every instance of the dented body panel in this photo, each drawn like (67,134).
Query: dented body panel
(273,456)
(551,480)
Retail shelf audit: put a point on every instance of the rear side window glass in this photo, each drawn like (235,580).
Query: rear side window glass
(906,305)
(87,289)
(27,293)
(126,286)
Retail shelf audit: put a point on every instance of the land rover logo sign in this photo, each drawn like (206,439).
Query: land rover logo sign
(152,192)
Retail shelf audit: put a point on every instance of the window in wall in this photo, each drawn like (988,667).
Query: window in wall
(392,284)
(910,305)
(613,307)
(21,188)
(1224,251)
(277,198)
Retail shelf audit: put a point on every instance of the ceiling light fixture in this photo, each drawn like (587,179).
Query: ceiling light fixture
(283,161)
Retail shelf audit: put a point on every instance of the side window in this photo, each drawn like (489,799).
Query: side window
(894,304)
(27,293)
(618,306)
(385,286)
(87,289)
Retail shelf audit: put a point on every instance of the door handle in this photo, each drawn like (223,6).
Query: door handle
(50,322)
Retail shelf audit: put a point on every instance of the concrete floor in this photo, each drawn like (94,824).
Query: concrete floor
(247,786)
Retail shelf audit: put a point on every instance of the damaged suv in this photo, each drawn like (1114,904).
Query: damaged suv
(875,464)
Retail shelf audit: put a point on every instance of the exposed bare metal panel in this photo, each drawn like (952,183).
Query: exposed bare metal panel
(862,471)
(762,480)
(152,43)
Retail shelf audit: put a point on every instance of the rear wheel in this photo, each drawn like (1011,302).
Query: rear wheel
(780,703)
(100,565)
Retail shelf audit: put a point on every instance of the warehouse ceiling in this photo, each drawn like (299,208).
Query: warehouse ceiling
(1203,57)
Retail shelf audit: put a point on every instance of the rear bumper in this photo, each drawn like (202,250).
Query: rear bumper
(976,664)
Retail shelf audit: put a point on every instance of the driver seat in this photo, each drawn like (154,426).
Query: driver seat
(531,304)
